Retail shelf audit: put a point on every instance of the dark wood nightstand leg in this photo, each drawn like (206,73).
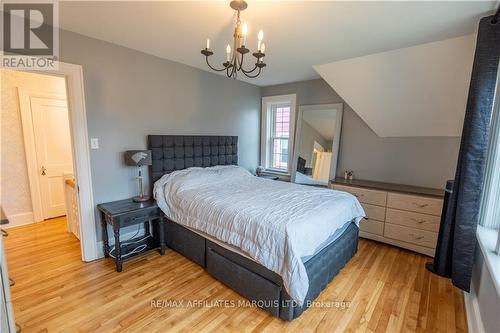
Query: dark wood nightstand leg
(161,229)
(118,252)
(105,242)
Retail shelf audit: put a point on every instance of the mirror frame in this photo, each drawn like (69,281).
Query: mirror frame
(336,138)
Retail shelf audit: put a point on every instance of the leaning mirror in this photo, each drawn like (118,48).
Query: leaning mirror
(317,139)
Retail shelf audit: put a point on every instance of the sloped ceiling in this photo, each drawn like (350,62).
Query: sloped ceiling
(415,91)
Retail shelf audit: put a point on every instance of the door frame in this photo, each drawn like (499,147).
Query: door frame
(81,153)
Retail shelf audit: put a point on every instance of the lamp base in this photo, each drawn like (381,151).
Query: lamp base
(140,199)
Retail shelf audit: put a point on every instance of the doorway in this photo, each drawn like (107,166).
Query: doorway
(44,139)
(47,142)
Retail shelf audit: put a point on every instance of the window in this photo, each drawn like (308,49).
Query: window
(490,206)
(278,118)
(280,134)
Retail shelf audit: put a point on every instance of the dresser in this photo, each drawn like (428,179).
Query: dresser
(400,215)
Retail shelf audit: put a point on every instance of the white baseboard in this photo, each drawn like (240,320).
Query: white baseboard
(474,321)
(16,220)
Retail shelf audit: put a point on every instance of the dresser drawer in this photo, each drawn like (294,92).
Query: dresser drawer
(414,203)
(372,226)
(413,220)
(410,235)
(374,212)
(373,197)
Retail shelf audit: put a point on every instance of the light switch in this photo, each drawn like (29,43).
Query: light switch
(94,143)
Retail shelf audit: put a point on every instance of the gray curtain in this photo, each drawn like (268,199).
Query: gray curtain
(457,235)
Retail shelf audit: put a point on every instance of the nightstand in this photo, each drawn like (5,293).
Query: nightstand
(124,213)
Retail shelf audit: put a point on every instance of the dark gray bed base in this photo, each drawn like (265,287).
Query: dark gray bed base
(254,281)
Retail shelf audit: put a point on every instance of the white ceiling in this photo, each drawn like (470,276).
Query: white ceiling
(415,91)
(322,121)
(298,34)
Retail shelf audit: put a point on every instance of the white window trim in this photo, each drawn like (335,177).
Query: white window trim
(265,132)
(488,237)
(490,204)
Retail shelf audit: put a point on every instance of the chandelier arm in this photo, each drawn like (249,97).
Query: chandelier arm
(215,69)
(229,71)
(243,70)
(234,71)
(252,76)
(248,72)
(241,63)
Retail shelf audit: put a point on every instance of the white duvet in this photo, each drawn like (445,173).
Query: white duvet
(275,223)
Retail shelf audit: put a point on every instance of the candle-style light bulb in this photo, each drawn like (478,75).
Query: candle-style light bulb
(244,31)
(208,43)
(263,48)
(228,52)
(260,36)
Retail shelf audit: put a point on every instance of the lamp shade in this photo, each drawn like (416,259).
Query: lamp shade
(138,157)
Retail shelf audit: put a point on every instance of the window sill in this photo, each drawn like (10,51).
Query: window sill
(487,239)
(275,172)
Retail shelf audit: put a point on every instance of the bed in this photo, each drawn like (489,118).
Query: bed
(218,215)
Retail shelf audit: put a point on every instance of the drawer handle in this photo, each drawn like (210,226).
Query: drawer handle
(420,205)
(416,237)
(418,221)
(4,233)
(12,283)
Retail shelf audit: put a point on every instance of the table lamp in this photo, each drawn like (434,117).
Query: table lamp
(139,158)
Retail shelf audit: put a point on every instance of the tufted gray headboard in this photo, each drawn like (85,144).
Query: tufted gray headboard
(177,152)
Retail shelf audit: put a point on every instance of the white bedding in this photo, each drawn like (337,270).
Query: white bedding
(275,223)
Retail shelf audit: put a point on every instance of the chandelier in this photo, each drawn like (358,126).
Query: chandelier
(234,56)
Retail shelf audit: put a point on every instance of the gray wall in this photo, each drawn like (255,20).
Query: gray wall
(421,161)
(130,94)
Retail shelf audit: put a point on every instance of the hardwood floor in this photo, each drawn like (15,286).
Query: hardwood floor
(386,288)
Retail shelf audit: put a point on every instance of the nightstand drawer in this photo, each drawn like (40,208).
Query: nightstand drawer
(139,217)
(373,197)
(410,235)
(413,220)
(374,212)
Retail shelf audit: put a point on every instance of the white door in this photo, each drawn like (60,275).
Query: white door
(53,151)
(322,166)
